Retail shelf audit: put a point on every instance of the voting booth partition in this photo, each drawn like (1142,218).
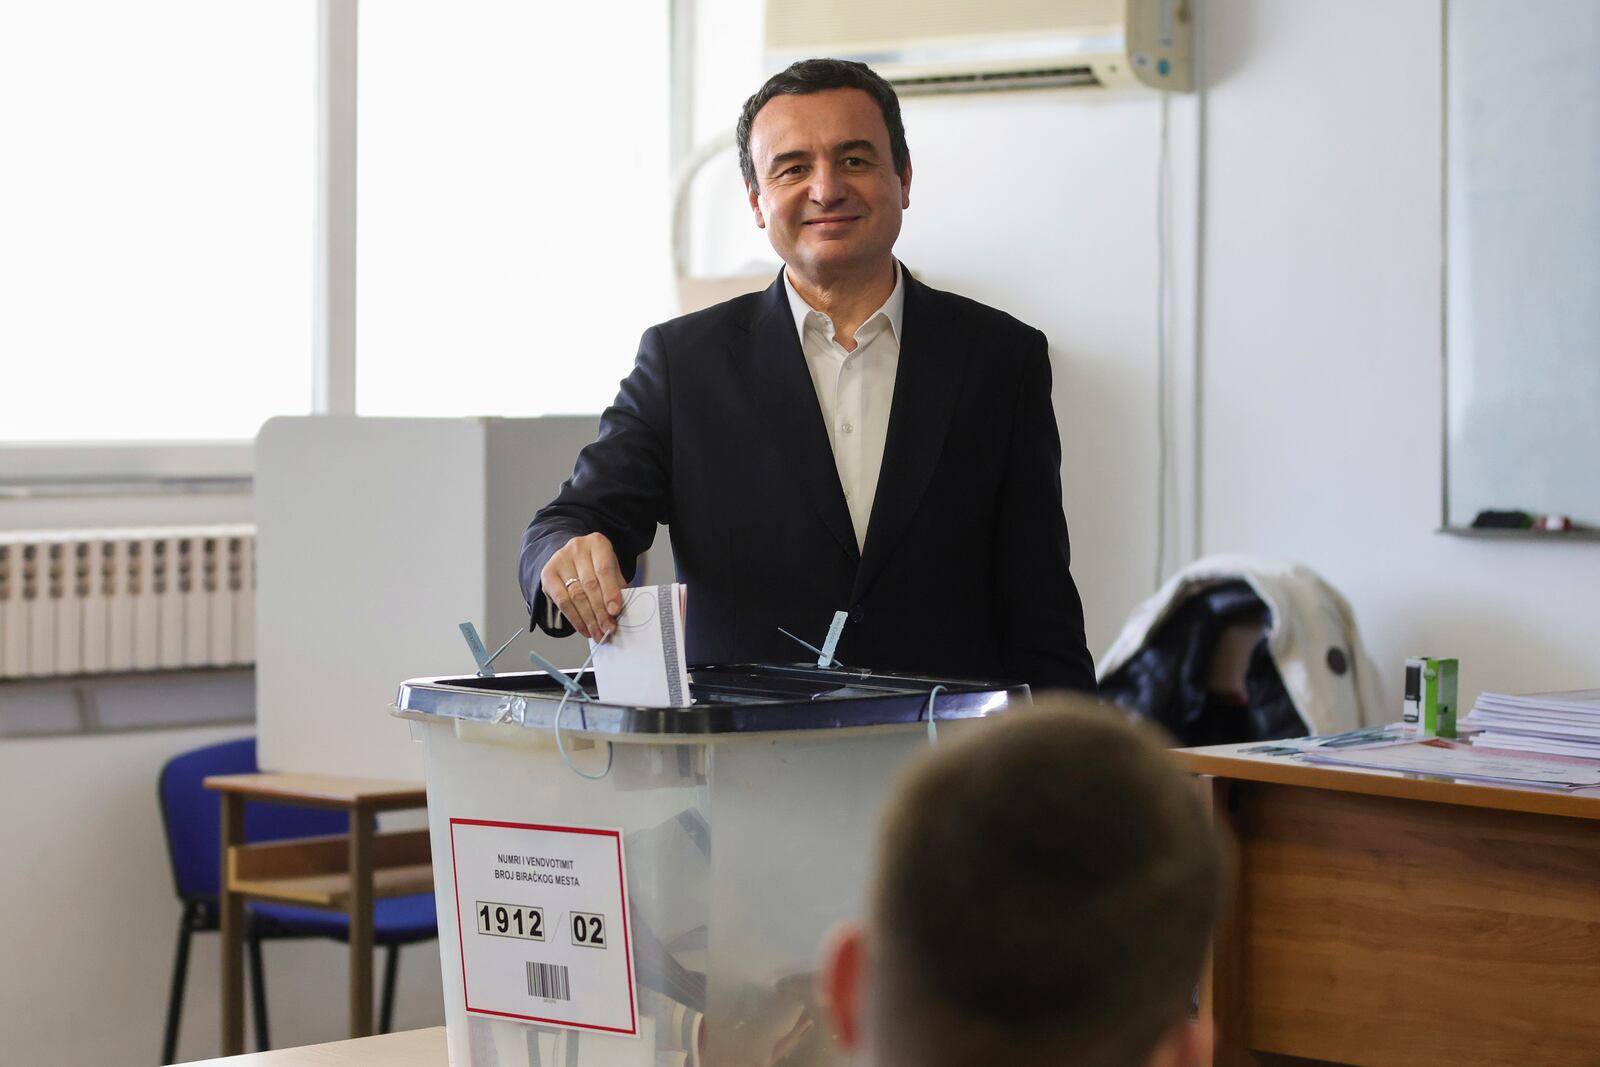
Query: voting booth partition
(376,538)
(633,887)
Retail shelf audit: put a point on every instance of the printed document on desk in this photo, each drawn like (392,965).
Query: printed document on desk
(1565,724)
(643,662)
(1583,703)
(1452,759)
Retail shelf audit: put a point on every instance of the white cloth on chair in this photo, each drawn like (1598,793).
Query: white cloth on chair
(1311,635)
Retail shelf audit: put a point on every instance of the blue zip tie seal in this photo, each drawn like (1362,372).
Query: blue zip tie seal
(825,656)
(481,655)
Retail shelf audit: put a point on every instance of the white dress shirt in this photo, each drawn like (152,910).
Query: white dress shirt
(855,390)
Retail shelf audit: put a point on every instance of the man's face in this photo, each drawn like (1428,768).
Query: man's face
(828,195)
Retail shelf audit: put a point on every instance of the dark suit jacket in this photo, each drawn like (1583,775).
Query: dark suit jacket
(718,434)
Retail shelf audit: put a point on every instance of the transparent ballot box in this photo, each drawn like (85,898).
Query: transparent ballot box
(649,887)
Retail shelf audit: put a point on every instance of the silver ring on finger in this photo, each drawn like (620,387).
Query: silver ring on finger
(569,583)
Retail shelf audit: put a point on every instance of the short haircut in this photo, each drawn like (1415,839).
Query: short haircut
(815,76)
(1047,889)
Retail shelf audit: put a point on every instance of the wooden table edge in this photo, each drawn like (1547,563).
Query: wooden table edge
(403,1047)
(1285,770)
(373,794)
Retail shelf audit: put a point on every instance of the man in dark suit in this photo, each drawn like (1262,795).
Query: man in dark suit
(849,439)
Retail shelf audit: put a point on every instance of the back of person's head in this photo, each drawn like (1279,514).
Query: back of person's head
(1046,890)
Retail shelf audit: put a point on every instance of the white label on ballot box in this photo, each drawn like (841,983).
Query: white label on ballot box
(543,913)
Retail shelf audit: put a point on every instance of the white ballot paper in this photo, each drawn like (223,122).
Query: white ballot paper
(643,663)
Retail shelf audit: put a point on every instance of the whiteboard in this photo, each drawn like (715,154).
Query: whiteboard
(1522,290)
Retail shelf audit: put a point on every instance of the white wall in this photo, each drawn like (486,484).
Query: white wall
(1322,345)
(78,512)
(90,918)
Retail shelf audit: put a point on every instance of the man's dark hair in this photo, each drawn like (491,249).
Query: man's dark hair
(1046,893)
(814,76)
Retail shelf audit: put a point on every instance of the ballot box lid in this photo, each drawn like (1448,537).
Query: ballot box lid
(742,698)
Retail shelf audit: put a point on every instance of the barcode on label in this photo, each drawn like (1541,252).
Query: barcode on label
(548,981)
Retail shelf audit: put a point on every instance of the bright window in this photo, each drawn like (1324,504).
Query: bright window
(155,217)
(513,192)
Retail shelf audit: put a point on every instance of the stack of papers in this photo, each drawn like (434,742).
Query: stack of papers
(1563,724)
(1453,759)
(643,662)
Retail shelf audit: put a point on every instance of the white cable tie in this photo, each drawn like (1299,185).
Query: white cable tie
(562,707)
(933,731)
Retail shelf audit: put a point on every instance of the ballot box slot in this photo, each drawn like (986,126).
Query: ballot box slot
(726,699)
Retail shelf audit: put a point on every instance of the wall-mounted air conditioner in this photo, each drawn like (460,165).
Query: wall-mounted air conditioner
(947,46)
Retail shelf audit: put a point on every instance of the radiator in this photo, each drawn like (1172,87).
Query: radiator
(78,602)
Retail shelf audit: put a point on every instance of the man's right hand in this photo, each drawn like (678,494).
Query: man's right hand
(585,582)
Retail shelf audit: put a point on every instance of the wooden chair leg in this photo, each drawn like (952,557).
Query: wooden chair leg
(391,969)
(180,977)
(258,992)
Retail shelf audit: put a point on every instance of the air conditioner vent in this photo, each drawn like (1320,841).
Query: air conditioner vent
(997,80)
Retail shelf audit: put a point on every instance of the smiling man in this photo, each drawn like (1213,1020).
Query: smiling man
(849,439)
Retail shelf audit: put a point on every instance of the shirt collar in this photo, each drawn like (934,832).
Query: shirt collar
(893,308)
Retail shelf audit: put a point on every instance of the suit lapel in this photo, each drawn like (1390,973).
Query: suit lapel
(926,386)
(773,369)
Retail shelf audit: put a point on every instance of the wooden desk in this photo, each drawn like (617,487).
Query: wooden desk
(1387,919)
(345,872)
(413,1048)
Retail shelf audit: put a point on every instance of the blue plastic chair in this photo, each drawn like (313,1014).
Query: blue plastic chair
(192,817)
